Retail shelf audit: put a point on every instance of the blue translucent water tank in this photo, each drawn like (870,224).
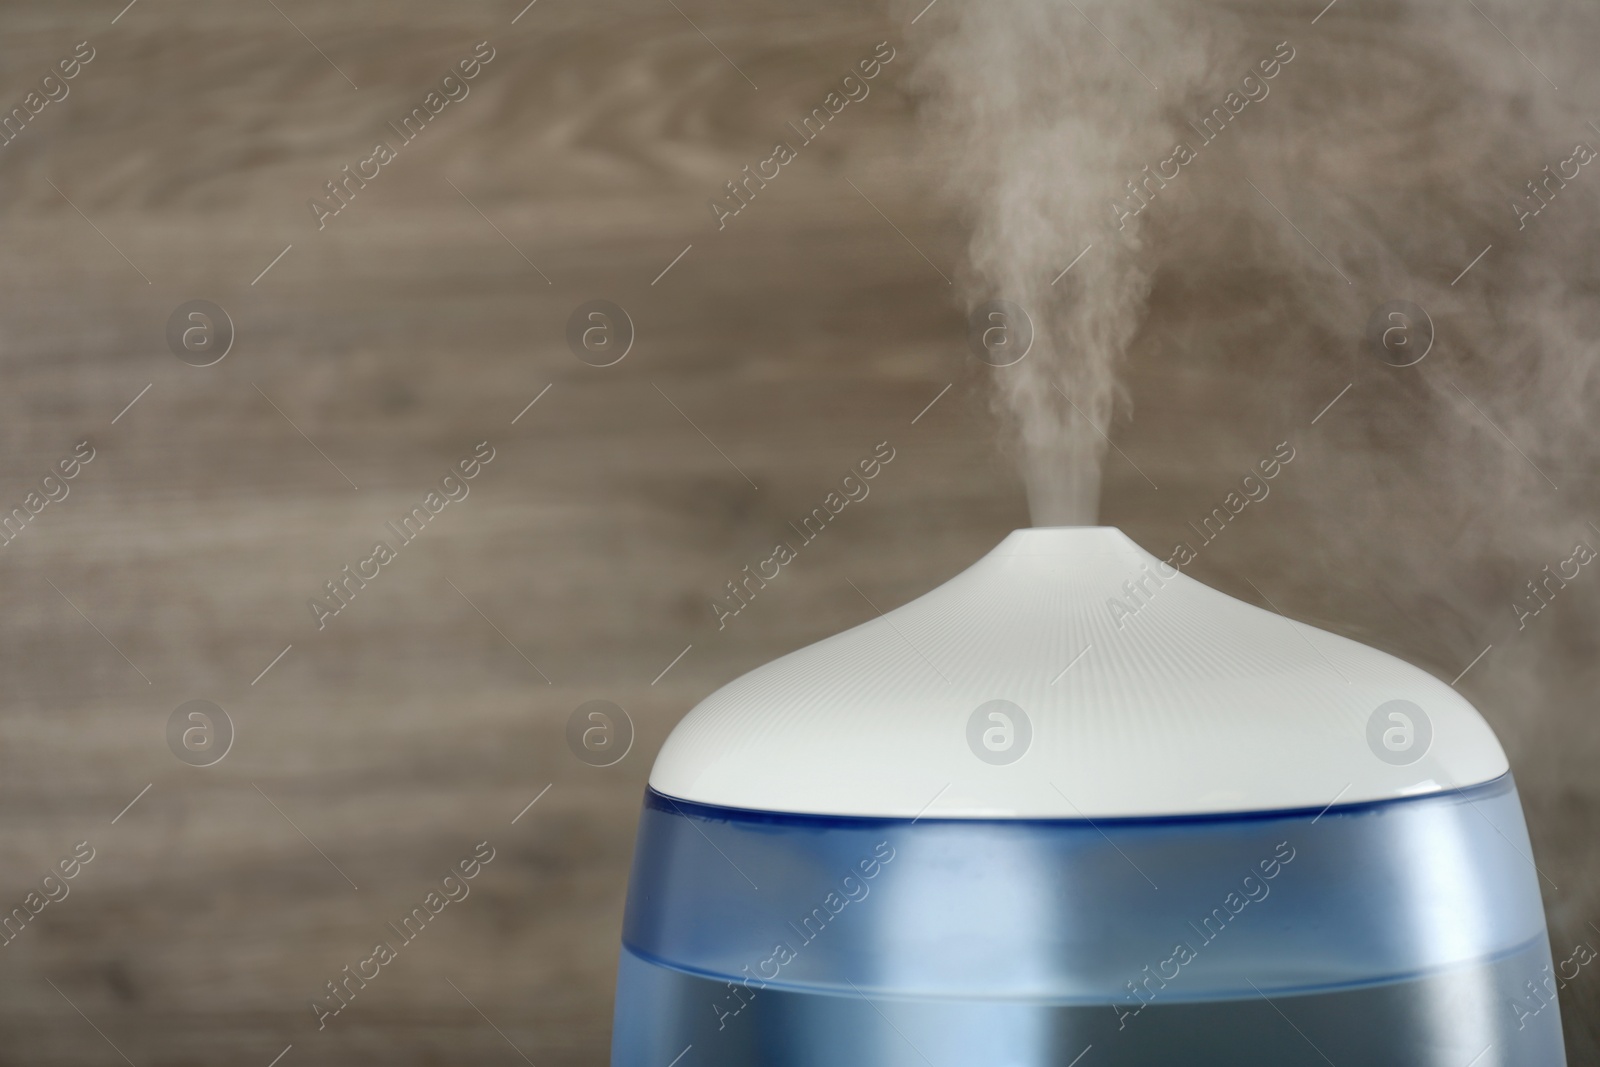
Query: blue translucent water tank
(1074,808)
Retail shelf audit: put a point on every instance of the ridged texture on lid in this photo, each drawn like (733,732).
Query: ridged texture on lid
(1193,703)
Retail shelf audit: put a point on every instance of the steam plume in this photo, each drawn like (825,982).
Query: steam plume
(1398,135)
(1417,150)
(1038,123)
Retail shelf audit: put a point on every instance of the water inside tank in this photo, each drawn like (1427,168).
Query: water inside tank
(1398,932)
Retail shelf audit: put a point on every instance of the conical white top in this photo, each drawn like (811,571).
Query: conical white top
(1141,692)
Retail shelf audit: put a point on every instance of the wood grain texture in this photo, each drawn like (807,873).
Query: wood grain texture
(414,725)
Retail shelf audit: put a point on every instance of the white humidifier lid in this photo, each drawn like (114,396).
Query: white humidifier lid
(1182,700)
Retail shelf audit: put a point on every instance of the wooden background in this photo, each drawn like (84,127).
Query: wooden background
(417,724)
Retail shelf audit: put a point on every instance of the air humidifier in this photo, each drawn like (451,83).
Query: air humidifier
(1073,807)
